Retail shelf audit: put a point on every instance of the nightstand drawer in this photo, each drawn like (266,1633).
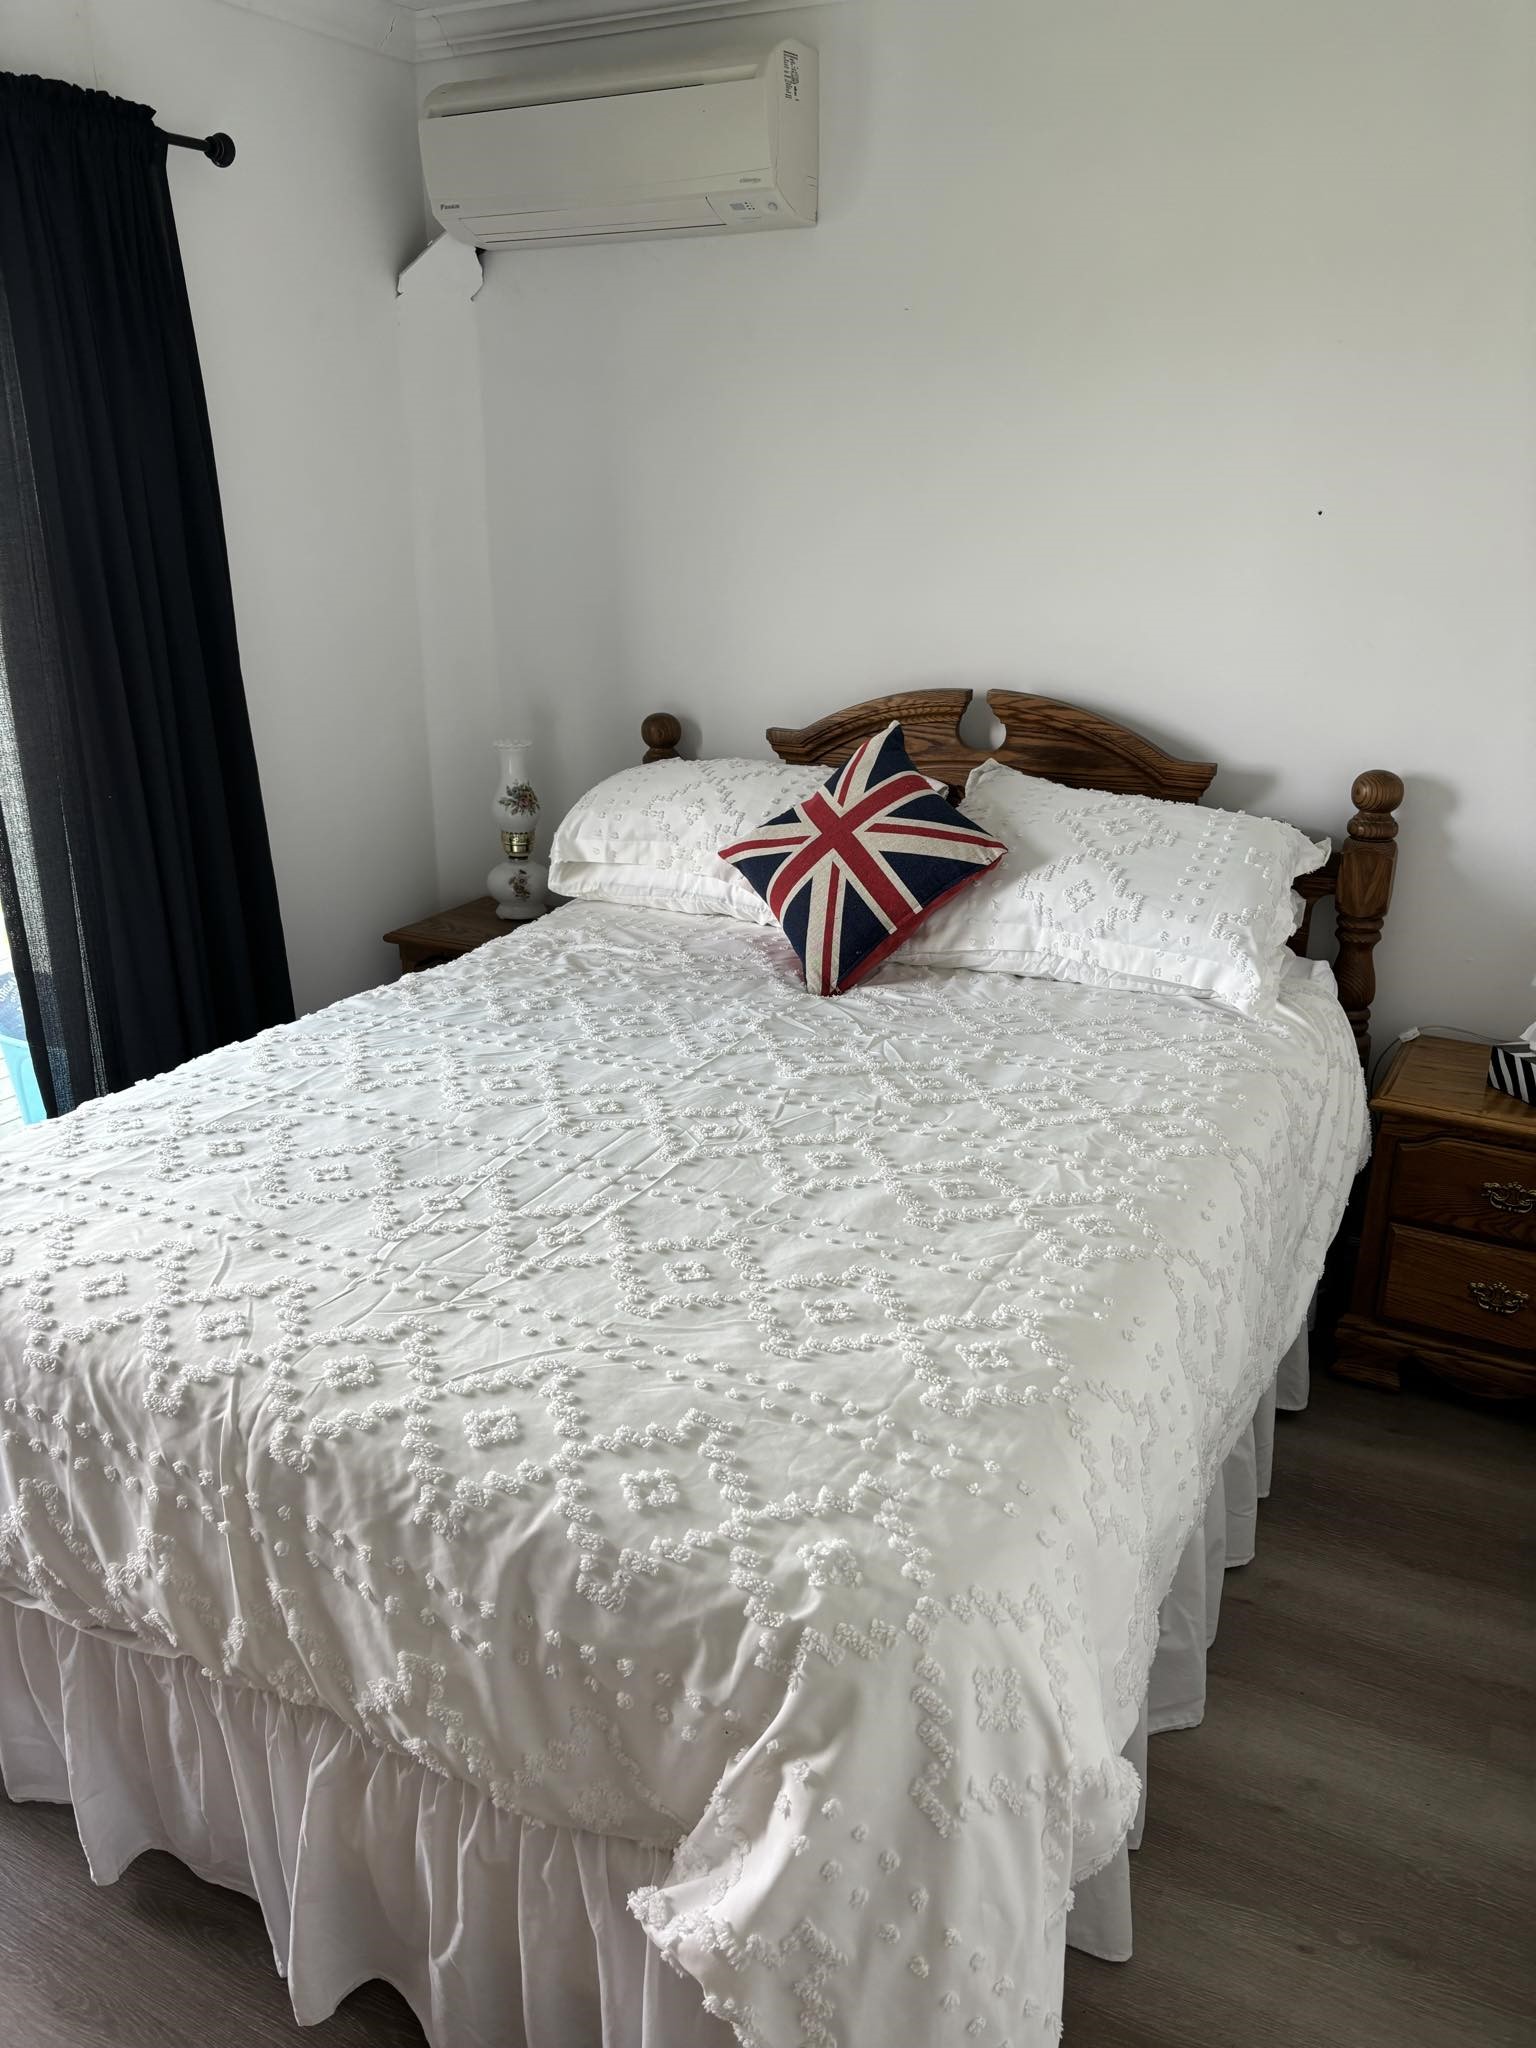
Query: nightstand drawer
(1453,1184)
(1482,1292)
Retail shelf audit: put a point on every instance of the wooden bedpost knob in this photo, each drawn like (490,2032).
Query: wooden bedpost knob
(1377,794)
(661,733)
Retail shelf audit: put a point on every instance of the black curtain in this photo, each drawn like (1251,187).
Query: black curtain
(135,877)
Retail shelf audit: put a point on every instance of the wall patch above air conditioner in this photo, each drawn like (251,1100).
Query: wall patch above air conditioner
(605,152)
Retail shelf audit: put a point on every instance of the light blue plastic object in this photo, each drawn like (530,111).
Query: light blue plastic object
(17,1053)
(18,1064)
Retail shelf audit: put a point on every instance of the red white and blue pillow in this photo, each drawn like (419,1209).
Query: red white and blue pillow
(855,868)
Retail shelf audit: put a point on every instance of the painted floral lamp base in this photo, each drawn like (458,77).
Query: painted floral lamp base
(519,883)
(521,887)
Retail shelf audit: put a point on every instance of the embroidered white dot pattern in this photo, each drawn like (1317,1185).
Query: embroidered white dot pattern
(343,1363)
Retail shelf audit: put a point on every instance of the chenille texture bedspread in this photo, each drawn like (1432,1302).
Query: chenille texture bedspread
(689,1410)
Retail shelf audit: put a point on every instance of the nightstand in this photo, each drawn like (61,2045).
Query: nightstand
(1447,1271)
(450,933)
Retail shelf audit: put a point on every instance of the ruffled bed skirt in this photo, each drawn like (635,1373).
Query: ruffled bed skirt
(499,1932)
(1100,1920)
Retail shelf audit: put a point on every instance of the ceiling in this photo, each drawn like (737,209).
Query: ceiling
(418,30)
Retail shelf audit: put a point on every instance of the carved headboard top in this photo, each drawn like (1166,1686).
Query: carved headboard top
(1041,736)
(1067,743)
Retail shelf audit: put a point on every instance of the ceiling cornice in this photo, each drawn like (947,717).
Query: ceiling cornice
(418,31)
(380,25)
(468,28)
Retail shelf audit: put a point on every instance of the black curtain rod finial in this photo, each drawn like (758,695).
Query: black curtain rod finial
(218,149)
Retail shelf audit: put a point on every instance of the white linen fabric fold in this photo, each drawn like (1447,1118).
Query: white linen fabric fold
(1100,1921)
(364,1863)
(500,1933)
(690,1412)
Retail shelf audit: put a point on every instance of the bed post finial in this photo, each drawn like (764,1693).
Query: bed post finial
(661,733)
(1362,893)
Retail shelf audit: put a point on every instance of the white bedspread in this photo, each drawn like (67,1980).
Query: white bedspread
(689,1410)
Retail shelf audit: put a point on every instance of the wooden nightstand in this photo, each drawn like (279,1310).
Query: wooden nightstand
(450,933)
(1447,1270)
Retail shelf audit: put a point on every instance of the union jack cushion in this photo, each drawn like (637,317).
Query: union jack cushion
(856,867)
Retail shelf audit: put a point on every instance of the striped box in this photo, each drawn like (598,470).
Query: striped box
(1512,1068)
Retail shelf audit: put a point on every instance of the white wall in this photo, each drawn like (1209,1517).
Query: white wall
(1175,358)
(291,257)
(455,582)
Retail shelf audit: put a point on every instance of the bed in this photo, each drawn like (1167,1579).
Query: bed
(646,1508)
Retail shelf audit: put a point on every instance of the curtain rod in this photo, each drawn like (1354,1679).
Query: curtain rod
(217,148)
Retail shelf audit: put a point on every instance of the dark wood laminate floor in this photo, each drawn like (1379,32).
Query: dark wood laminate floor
(1344,1856)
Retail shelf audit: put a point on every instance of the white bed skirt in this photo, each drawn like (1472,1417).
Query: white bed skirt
(368,1865)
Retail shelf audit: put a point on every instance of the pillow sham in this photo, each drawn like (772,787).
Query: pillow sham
(1125,892)
(649,836)
(857,866)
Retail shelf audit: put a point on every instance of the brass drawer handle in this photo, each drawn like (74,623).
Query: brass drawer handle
(1498,1299)
(1510,1195)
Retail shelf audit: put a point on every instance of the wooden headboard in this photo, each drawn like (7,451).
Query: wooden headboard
(1065,743)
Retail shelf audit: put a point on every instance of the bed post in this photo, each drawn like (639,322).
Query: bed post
(661,733)
(1362,893)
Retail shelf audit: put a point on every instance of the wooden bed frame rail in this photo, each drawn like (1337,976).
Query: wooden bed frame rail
(1067,743)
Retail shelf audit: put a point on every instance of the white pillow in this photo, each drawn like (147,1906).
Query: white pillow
(651,836)
(1123,891)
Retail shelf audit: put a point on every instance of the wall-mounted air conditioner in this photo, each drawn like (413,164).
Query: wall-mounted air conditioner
(642,150)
